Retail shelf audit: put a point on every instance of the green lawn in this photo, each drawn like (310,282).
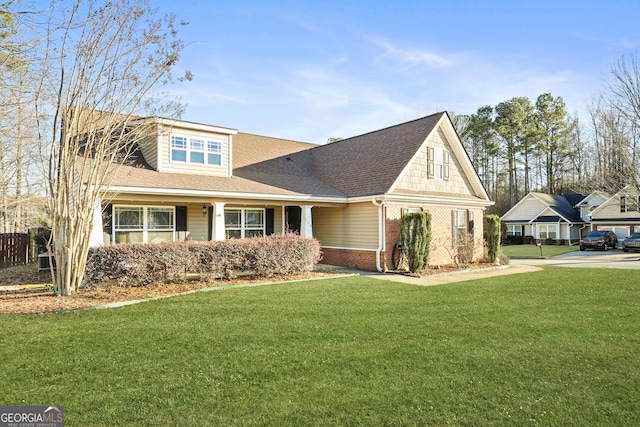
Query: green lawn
(533,251)
(556,347)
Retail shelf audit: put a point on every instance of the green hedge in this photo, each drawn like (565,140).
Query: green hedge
(415,238)
(139,264)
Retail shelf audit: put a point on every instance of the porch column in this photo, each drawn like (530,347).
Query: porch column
(96,239)
(306,225)
(218,221)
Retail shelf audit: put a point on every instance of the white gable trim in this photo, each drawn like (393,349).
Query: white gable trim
(585,201)
(459,152)
(550,210)
(517,206)
(609,200)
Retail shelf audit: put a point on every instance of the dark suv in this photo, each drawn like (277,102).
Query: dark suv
(599,240)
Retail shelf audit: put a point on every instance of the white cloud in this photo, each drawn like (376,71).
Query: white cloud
(412,56)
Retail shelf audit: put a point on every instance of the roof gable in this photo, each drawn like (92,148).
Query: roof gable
(462,179)
(371,163)
(529,207)
(630,191)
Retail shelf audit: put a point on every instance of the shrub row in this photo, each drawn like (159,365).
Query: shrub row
(139,264)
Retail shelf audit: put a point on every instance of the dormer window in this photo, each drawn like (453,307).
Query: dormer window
(178,149)
(196,154)
(214,153)
(196,151)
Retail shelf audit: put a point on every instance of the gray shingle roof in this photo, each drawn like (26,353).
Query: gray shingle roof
(563,205)
(371,163)
(361,165)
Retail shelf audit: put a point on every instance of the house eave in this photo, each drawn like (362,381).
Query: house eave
(434,200)
(236,195)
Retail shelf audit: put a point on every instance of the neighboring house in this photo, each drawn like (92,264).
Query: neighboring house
(200,182)
(545,216)
(619,213)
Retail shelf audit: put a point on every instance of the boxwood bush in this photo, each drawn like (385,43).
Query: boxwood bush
(140,264)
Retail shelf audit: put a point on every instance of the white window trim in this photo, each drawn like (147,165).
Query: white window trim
(546,228)
(188,150)
(145,222)
(438,163)
(242,227)
(456,227)
(512,227)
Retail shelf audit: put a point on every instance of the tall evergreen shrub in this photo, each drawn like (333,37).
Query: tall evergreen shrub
(415,238)
(493,237)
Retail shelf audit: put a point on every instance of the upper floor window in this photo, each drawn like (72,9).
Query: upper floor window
(214,153)
(178,149)
(623,204)
(437,163)
(196,151)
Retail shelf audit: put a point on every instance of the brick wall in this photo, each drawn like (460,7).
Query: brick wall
(442,251)
(362,260)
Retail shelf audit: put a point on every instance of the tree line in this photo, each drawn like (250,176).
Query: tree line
(75,77)
(520,145)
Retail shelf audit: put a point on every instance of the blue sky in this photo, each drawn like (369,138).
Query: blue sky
(310,70)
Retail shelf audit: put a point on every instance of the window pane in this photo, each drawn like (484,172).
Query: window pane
(232,218)
(160,219)
(253,233)
(254,218)
(214,147)
(197,145)
(233,234)
(179,142)
(178,156)
(196,157)
(214,159)
(128,236)
(128,218)
(160,236)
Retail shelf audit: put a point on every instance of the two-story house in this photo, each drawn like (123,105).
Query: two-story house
(191,181)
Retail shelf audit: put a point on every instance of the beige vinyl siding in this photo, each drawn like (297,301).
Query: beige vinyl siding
(149,149)
(416,178)
(277,220)
(197,224)
(196,169)
(612,209)
(527,210)
(355,226)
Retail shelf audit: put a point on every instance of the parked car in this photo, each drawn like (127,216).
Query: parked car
(599,240)
(631,243)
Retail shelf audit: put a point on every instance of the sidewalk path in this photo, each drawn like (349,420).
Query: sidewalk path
(439,279)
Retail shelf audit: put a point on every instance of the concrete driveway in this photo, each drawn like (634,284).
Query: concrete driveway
(613,258)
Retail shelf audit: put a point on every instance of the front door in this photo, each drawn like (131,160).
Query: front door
(292,216)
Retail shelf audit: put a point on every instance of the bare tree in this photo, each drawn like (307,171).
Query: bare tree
(104,63)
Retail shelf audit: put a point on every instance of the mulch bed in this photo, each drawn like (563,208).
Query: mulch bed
(40,301)
(46,301)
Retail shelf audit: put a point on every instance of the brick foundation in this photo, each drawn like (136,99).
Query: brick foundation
(362,260)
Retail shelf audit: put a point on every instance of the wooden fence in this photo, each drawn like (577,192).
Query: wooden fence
(14,249)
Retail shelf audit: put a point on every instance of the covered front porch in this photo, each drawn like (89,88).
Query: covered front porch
(150,220)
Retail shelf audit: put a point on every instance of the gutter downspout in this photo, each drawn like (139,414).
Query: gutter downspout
(381,236)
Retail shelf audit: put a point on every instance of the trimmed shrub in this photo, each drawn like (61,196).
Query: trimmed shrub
(415,238)
(493,237)
(140,264)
